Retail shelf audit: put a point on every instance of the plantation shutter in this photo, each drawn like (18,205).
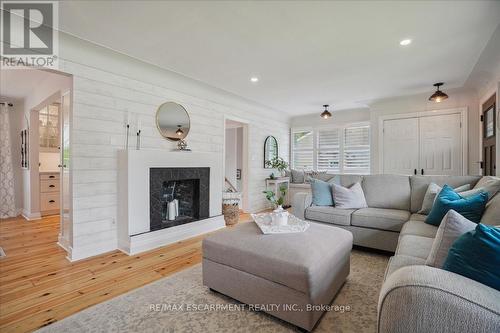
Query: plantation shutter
(328,150)
(302,150)
(357,149)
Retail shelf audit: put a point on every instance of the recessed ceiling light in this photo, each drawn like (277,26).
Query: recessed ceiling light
(254,79)
(405,42)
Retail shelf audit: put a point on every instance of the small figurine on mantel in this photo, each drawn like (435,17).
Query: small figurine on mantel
(183,146)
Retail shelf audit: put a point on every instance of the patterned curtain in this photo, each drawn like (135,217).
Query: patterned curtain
(7,204)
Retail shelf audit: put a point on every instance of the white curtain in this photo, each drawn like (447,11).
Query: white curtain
(7,203)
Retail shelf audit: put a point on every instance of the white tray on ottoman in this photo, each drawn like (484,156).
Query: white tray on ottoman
(293,270)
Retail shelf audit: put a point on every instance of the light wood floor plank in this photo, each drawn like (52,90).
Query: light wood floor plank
(39,286)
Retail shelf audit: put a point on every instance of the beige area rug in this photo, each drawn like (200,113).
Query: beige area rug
(132,312)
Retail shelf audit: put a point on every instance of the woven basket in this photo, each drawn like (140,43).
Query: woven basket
(231,213)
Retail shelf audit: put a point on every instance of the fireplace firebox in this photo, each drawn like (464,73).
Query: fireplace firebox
(178,196)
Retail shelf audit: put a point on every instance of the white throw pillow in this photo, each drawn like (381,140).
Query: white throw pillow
(488,184)
(349,198)
(431,194)
(452,226)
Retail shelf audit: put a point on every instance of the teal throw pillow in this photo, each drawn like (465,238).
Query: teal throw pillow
(476,255)
(471,208)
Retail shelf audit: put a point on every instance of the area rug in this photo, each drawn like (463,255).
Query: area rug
(180,303)
(2,253)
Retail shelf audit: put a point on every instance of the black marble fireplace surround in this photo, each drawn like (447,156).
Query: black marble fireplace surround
(190,186)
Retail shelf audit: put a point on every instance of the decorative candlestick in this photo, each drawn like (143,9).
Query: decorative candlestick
(126,136)
(138,145)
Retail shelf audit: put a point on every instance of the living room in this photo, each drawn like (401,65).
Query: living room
(250,166)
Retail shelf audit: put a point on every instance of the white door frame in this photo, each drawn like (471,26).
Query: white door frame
(463,111)
(245,174)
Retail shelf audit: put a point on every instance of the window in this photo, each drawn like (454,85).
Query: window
(49,127)
(302,150)
(328,150)
(357,149)
(336,149)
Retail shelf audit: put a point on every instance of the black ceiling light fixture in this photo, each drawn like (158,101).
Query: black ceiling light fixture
(179,131)
(438,96)
(326,114)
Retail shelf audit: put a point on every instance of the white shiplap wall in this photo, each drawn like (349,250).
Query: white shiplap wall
(103,100)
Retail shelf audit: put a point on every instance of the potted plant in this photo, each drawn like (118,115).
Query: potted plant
(277,163)
(279,215)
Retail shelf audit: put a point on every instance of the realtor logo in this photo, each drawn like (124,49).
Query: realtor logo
(29,33)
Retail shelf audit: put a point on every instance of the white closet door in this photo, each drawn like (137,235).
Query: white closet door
(441,145)
(401,145)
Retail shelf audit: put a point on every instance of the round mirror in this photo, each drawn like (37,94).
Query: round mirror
(172,121)
(270,151)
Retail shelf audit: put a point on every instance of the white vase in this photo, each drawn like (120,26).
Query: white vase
(279,216)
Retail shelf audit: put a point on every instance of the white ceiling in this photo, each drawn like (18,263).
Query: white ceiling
(306,53)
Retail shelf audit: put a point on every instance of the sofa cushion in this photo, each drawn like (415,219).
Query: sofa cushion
(387,191)
(453,226)
(321,193)
(418,217)
(380,218)
(399,261)
(419,228)
(414,246)
(348,180)
(297,176)
(328,214)
(419,185)
(349,198)
(491,215)
(488,184)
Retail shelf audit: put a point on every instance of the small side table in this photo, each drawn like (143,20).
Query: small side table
(275,185)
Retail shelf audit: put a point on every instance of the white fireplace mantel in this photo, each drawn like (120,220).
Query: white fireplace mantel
(133,197)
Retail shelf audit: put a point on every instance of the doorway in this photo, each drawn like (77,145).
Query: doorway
(236,159)
(39,115)
(488,117)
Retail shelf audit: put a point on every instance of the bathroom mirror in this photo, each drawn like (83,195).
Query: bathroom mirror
(270,150)
(172,121)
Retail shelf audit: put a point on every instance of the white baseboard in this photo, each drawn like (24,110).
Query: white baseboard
(31,216)
(151,240)
(92,250)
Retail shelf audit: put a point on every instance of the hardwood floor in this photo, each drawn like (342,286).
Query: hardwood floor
(39,286)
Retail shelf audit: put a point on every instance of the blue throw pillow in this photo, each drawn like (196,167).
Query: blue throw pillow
(471,208)
(321,193)
(476,255)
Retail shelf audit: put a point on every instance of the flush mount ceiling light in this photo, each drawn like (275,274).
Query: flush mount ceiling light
(254,79)
(438,96)
(326,114)
(405,42)
(179,131)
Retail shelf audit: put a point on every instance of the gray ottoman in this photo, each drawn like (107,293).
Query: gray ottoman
(287,273)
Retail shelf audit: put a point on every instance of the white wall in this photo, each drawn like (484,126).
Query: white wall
(108,88)
(339,118)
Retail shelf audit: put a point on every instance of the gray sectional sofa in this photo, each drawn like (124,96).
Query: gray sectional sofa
(414,297)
